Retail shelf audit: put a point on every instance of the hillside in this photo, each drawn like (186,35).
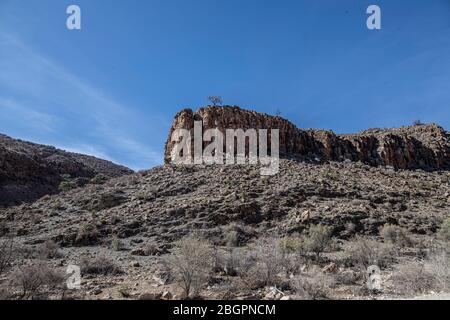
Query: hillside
(309,232)
(29,171)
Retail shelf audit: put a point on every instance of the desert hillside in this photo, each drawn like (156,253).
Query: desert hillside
(29,171)
(309,232)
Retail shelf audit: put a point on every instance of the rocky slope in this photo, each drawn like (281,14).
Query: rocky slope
(167,203)
(28,170)
(422,146)
(131,222)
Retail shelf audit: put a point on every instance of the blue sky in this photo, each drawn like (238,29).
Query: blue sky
(112,88)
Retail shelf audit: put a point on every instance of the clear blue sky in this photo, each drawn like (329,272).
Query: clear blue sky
(112,88)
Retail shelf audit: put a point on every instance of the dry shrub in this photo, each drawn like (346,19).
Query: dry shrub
(49,250)
(191,264)
(37,281)
(363,253)
(261,265)
(87,234)
(438,265)
(6,253)
(444,230)
(412,278)
(99,266)
(396,235)
(313,285)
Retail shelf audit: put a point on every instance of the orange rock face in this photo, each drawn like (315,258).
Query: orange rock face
(421,146)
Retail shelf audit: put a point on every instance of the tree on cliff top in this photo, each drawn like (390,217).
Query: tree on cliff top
(216,100)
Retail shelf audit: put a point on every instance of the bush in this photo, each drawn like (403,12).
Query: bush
(99,179)
(412,278)
(99,266)
(191,264)
(363,253)
(49,250)
(117,244)
(87,234)
(261,265)
(6,254)
(396,235)
(290,245)
(33,280)
(66,186)
(317,240)
(313,285)
(444,230)
(125,291)
(438,264)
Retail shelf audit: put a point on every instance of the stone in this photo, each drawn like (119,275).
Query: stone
(413,147)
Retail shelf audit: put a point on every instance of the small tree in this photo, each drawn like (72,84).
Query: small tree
(318,239)
(216,100)
(192,264)
(417,122)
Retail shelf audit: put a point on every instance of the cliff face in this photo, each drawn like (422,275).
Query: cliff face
(29,171)
(415,147)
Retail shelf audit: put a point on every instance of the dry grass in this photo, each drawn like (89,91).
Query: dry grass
(313,285)
(99,266)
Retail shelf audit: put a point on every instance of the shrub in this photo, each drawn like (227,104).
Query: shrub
(317,239)
(191,264)
(34,279)
(144,196)
(99,179)
(6,254)
(117,244)
(261,265)
(99,266)
(412,278)
(125,291)
(313,285)
(66,186)
(363,253)
(289,245)
(444,230)
(87,234)
(396,235)
(49,250)
(438,264)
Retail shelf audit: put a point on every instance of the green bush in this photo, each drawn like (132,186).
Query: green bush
(396,235)
(66,186)
(444,230)
(290,245)
(99,179)
(317,240)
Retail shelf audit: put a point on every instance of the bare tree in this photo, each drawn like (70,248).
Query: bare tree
(216,100)
(191,264)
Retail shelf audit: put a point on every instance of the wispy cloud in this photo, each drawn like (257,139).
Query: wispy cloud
(46,96)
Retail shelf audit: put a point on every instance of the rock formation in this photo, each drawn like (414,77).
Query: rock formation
(415,147)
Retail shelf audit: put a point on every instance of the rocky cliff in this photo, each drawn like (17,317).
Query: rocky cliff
(415,147)
(29,171)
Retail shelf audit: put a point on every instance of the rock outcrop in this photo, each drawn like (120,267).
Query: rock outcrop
(29,171)
(415,147)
